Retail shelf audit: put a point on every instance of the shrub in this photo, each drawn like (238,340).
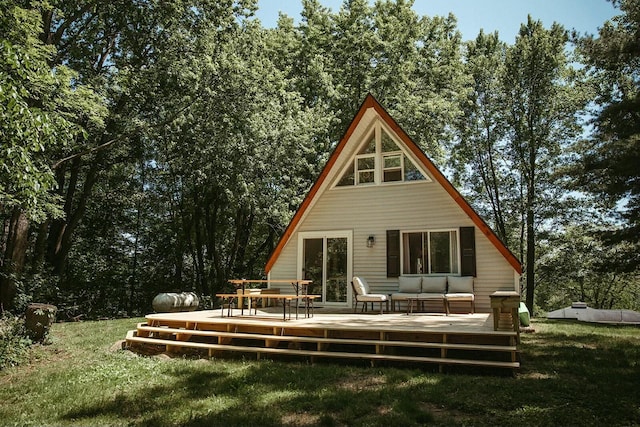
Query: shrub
(14,341)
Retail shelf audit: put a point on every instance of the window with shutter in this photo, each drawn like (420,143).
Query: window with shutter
(430,252)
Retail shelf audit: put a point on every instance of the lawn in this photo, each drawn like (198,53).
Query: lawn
(571,374)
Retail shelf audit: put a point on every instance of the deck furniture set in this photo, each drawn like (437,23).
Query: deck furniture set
(231,300)
(416,291)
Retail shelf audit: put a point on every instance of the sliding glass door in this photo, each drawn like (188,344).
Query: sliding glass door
(325,258)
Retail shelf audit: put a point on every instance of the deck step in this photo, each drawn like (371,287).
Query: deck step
(133,338)
(296,338)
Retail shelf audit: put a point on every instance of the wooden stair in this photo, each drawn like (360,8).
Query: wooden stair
(456,348)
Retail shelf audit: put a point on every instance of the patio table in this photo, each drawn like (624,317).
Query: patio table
(286,302)
(300,286)
(422,299)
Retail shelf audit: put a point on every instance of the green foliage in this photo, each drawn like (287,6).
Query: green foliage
(574,266)
(39,109)
(14,341)
(209,130)
(29,126)
(608,162)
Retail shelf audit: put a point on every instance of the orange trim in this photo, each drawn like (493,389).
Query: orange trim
(370,102)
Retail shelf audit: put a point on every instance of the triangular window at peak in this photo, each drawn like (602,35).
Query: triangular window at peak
(379,161)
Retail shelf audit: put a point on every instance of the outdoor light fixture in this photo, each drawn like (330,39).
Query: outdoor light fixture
(371,241)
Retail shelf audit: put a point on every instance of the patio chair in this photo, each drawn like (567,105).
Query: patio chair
(361,294)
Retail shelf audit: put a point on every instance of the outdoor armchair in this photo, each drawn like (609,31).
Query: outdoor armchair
(362,294)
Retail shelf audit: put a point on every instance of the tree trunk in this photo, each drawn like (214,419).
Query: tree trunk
(531,258)
(14,258)
(197,224)
(531,236)
(60,238)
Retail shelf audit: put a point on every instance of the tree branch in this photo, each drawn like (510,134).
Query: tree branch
(113,141)
(82,153)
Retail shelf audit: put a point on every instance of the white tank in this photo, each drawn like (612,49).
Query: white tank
(174,302)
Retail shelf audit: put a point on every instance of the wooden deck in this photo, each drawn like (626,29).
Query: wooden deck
(390,338)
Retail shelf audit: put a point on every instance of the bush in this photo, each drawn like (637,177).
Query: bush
(14,341)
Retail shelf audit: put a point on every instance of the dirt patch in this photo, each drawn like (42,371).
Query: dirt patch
(118,345)
(535,376)
(358,383)
(300,419)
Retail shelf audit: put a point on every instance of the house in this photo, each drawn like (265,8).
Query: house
(381,209)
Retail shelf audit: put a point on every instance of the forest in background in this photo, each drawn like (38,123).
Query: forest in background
(150,146)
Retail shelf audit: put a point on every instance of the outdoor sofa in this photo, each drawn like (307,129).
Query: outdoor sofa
(434,288)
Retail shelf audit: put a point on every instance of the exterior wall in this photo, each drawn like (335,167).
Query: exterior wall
(372,210)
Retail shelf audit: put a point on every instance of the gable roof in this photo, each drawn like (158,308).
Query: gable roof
(371,102)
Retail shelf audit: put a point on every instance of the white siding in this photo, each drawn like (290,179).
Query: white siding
(404,206)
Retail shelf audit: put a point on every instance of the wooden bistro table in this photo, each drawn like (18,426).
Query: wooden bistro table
(299,286)
(508,300)
(286,302)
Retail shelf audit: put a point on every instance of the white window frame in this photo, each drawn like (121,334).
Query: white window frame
(357,170)
(454,257)
(399,154)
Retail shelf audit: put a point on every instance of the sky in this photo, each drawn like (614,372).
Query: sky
(505,16)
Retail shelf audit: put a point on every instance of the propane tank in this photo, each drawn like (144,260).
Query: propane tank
(167,302)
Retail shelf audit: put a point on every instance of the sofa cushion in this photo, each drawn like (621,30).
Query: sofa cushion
(409,285)
(430,295)
(373,298)
(434,285)
(463,285)
(360,285)
(460,296)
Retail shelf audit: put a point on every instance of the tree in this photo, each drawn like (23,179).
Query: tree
(609,162)
(541,114)
(480,156)
(41,110)
(133,54)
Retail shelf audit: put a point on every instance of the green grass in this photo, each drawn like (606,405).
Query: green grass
(572,374)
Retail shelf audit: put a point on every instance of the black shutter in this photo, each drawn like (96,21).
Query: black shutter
(393,253)
(468,249)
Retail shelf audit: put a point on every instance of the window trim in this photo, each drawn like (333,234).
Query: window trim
(357,170)
(456,261)
(400,154)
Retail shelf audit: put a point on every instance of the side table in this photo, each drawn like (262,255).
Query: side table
(507,300)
